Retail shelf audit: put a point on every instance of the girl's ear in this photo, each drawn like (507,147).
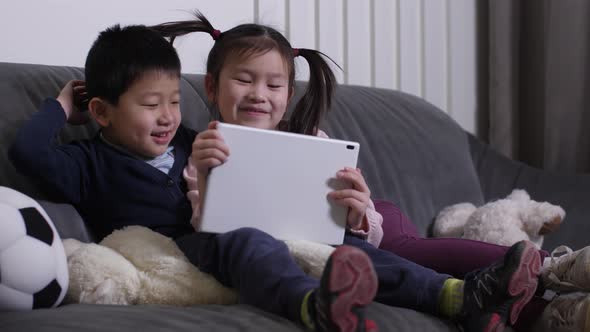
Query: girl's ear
(210,88)
(291,94)
(98,109)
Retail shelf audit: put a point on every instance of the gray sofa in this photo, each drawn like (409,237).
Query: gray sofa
(411,153)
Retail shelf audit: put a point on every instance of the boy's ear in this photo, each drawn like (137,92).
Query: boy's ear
(98,109)
(210,88)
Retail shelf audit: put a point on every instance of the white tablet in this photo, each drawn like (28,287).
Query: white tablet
(278,182)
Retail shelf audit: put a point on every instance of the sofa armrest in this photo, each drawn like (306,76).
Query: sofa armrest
(68,221)
(499,175)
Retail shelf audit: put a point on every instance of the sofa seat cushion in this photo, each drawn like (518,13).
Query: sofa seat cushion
(156,318)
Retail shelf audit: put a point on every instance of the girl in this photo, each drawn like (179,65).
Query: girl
(250,77)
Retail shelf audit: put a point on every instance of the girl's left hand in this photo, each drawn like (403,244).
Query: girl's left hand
(356,199)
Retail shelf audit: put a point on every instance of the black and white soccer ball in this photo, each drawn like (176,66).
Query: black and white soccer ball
(33,266)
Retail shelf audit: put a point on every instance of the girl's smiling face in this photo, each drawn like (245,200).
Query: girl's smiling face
(252,91)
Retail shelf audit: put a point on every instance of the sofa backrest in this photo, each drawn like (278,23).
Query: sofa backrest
(411,153)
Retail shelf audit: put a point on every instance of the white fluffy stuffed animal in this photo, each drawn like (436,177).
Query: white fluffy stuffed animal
(138,266)
(504,222)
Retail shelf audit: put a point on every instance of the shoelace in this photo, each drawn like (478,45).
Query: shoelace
(321,319)
(564,269)
(483,284)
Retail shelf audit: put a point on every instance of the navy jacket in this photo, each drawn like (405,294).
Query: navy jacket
(109,188)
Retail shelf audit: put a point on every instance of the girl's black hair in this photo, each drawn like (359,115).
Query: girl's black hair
(250,39)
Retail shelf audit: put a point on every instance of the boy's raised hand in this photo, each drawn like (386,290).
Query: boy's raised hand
(72,98)
(209,149)
(356,199)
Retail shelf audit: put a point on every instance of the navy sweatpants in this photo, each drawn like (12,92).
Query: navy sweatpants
(257,265)
(266,276)
(402,283)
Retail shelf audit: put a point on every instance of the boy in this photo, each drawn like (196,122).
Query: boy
(132,83)
(131,174)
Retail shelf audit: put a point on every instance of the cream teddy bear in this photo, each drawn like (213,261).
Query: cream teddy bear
(504,221)
(136,265)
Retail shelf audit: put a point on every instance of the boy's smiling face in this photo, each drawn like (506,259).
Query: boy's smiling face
(146,117)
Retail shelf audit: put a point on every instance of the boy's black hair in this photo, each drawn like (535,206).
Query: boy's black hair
(120,56)
(253,39)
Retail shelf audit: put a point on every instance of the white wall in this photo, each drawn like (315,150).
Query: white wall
(60,32)
(424,47)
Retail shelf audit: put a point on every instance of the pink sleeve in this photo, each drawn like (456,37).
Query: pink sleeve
(375,223)
(190,176)
(322,134)
(374,234)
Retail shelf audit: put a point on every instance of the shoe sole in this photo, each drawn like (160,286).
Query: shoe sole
(524,280)
(354,282)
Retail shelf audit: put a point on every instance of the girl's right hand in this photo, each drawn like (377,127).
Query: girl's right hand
(209,150)
(72,97)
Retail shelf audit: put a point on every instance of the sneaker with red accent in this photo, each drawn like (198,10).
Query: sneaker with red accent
(348,284)
(495,296)
(566,313)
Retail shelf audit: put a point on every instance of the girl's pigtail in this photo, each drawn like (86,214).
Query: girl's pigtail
(317,98)
(180,28)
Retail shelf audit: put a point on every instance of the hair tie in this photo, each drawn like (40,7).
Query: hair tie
(215,34)
(295,52)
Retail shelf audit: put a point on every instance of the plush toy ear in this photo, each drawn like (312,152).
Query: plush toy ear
(451,220)
(71,246)
(550,226)
(542,218)
(99,275)
(519,195)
